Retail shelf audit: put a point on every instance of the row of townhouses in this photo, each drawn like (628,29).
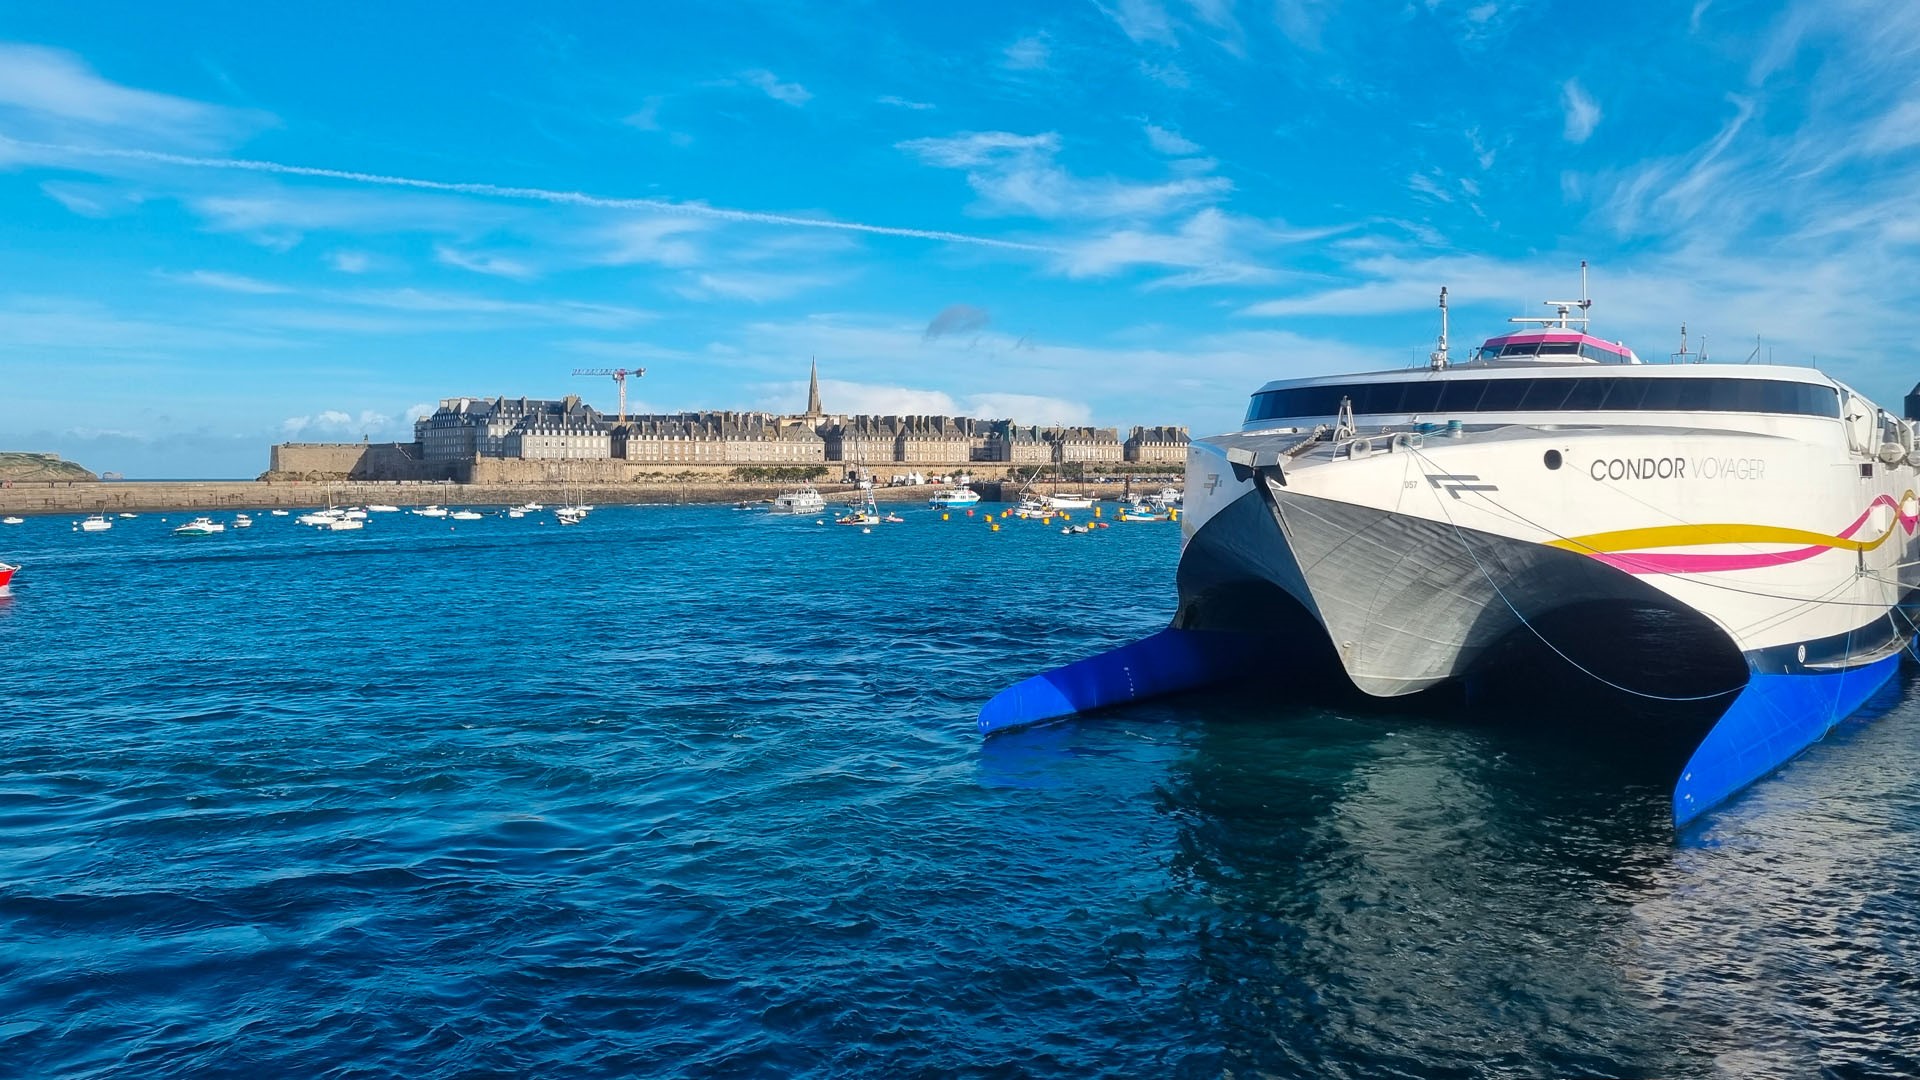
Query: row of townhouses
(464,430)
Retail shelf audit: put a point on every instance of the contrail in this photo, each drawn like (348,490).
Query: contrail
(558,198)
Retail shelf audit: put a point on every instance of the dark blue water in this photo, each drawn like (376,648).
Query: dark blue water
(695,792)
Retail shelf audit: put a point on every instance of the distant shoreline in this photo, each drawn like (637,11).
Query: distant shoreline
(166,496)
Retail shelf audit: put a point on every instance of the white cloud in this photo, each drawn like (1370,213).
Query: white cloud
(659,240)
(1211,247)
(753,286)
(480,263)
(569,312)
(350,262)
(787,93)
(899,102)
(1017,174)
(337,424)
(1030,53)
(1171,143)
(1583,113)
(647,116)
(1029,409)
(1145,21)
(1897,129)
(51,94)
(854,397)
(215,279)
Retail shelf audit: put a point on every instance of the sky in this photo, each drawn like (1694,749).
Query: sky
(228,225)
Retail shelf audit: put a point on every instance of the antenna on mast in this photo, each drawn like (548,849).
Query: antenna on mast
(1439,359)
(1680,357)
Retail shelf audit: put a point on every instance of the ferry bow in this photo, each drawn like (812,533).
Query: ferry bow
(1714,540)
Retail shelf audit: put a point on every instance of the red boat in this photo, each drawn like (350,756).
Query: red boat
(6,574)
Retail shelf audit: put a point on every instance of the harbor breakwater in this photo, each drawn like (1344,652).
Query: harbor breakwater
(205,495)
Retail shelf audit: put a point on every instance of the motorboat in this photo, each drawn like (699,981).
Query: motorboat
(321,517)
(1553,523)
(342,524)
(13,520)
(1069,502)
(1074,530)
(465,515)
(958,498)
(532,507)
(96,523)
(7,570)
(128,517)
(354,513)
(1167,498)
(571,515)
(200,526)
(430,512)
(804,499)
(242,521)
(278,513)
(1032,507)
(516,512)
(382,508)
(1140,511)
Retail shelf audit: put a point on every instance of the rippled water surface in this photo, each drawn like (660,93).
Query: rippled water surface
(696,792)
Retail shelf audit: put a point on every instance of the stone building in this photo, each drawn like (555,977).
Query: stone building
(466,429)
(1159,445)
(1008,443)
(934,440)
(1086,445)
(718,438)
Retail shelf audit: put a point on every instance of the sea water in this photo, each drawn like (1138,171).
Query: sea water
(696,792)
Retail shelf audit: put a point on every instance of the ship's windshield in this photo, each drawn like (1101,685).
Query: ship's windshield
(1588,393)
(1523,350)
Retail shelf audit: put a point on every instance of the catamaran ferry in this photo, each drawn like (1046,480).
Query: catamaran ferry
(1732,539)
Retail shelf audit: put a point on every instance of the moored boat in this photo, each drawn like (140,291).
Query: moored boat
(1723,548)
(10,520)
(796,501)
(96,523)
(465,515)
(958,498)
(242,521)
(200,526)
(7,570)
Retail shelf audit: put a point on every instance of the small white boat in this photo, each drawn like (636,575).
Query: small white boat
(129,517)
(1166,498)
(278,513)
(355,514)
(320,517)
(464,515)
(954,498)
(570,515)
(200,526)
(343,524)
(1070,502)
(801,500)
(96,523)
(431,512)
(242,521)
(516,512)
(13,521)
(532,507)
(382,508)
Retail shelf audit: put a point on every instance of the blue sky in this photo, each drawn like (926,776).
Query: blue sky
(243,225)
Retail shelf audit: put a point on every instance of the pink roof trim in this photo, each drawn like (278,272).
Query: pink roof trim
(1529,336)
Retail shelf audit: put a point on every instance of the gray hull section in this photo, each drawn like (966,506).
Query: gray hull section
(1405,603)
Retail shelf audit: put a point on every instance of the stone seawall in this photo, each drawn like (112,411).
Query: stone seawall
(164,495)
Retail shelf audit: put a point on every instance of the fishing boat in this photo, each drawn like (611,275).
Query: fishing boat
(804,499)
(1721,547)
(861,510)
(200,526)
(1167,498)
(1141,511)
(570,515)
(958,498)
(242,521)
(465,515)
(96,523)
(7,570)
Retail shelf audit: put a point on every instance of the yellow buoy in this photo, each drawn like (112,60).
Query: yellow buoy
(943,517)
(995,527)
(1096,511)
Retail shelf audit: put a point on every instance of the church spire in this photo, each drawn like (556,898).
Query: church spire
(813,391)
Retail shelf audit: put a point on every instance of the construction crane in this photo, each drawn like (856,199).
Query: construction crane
(619,376)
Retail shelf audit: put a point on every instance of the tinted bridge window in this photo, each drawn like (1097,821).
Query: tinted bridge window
(1595,393)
